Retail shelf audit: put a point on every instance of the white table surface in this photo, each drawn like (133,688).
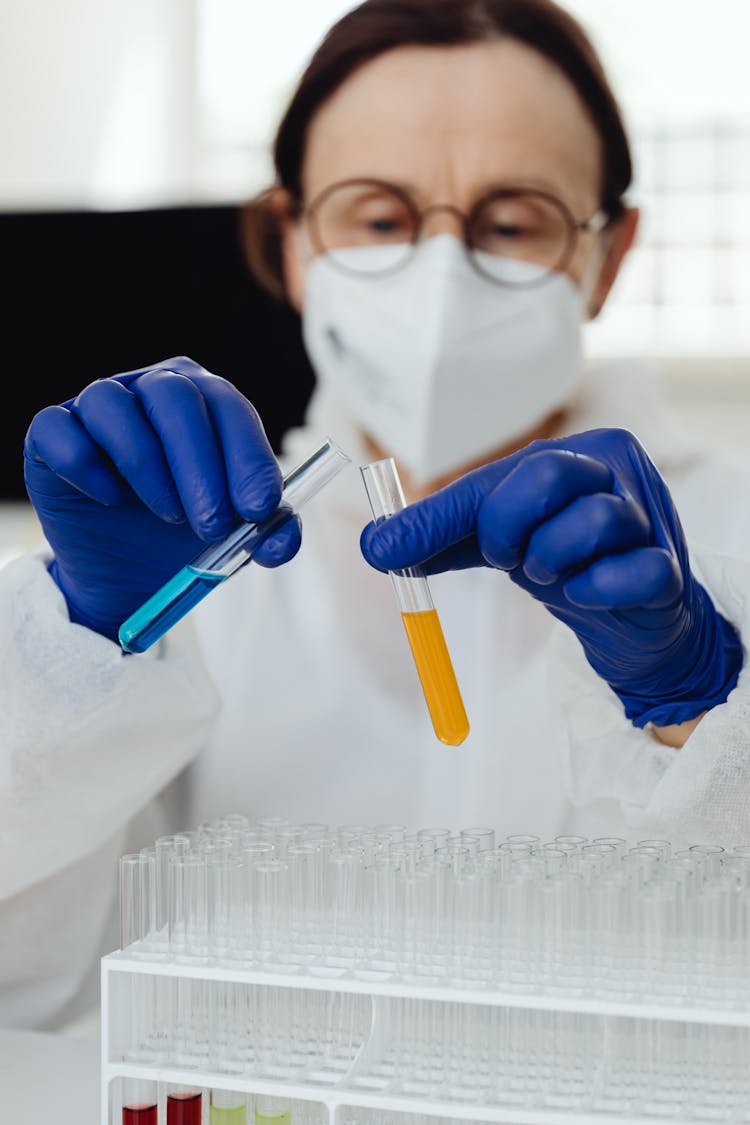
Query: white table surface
(48,1077)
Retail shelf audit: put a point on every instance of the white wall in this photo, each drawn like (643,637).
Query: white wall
(96,103)
(137,103)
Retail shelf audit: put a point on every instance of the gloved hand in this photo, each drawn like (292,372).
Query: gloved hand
(133,477)
(587,525)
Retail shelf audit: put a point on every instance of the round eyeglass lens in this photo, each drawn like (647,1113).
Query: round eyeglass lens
(364,227)
(520,237)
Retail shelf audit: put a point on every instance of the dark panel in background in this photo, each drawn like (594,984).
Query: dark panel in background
(90,294)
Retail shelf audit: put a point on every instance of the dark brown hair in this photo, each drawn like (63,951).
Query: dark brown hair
(376,26)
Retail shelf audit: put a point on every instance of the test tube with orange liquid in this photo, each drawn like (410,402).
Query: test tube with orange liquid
(418,613)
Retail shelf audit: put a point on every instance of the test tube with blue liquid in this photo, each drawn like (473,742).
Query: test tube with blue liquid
(216,563)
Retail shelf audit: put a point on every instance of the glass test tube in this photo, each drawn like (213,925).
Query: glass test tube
(137,898)
(420,618)
(218,562)
(137,909)
(139,1103)
(184,1106)
(272,1111)
(227,1108)
(139,1114)
(188,907)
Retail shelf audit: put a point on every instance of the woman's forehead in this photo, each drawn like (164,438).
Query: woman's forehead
(458,120)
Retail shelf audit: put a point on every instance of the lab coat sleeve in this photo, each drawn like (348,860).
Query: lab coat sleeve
(625,776)
(90,735)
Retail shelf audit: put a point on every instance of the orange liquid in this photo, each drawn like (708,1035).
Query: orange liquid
(436,675)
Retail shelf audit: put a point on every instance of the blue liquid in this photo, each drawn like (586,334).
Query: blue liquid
(216,563)
(166,607)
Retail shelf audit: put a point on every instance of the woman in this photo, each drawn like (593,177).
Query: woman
(449,210)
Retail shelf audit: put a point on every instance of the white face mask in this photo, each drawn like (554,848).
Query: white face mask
(438,365)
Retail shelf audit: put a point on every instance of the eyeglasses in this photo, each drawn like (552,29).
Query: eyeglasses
(370,228)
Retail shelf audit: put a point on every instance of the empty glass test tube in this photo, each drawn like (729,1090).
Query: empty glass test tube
(418,613)
(218,562)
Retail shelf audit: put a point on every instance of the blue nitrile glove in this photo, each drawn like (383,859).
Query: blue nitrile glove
(132,478)
(587,525)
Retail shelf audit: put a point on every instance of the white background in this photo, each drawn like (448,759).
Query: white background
(138,103)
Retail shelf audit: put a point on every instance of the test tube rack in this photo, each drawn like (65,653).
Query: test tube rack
(360,1041)
(557,1060)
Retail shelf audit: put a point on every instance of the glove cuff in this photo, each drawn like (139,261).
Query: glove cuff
(75,615)
(704,683)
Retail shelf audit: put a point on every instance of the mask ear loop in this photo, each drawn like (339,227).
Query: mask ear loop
(593,268)
(302,249)
(303,242)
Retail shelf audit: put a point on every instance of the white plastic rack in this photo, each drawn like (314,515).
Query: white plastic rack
(397,1008)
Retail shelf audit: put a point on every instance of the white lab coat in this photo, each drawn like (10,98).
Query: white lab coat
(292,692)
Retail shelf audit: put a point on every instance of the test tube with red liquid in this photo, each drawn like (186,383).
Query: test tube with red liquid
(139,1104)
(184,1106)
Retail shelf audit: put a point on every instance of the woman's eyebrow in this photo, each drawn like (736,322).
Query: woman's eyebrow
(527,183)
(498,183)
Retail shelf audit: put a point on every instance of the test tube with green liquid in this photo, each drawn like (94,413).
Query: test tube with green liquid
(272,1111)
(227,1108)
